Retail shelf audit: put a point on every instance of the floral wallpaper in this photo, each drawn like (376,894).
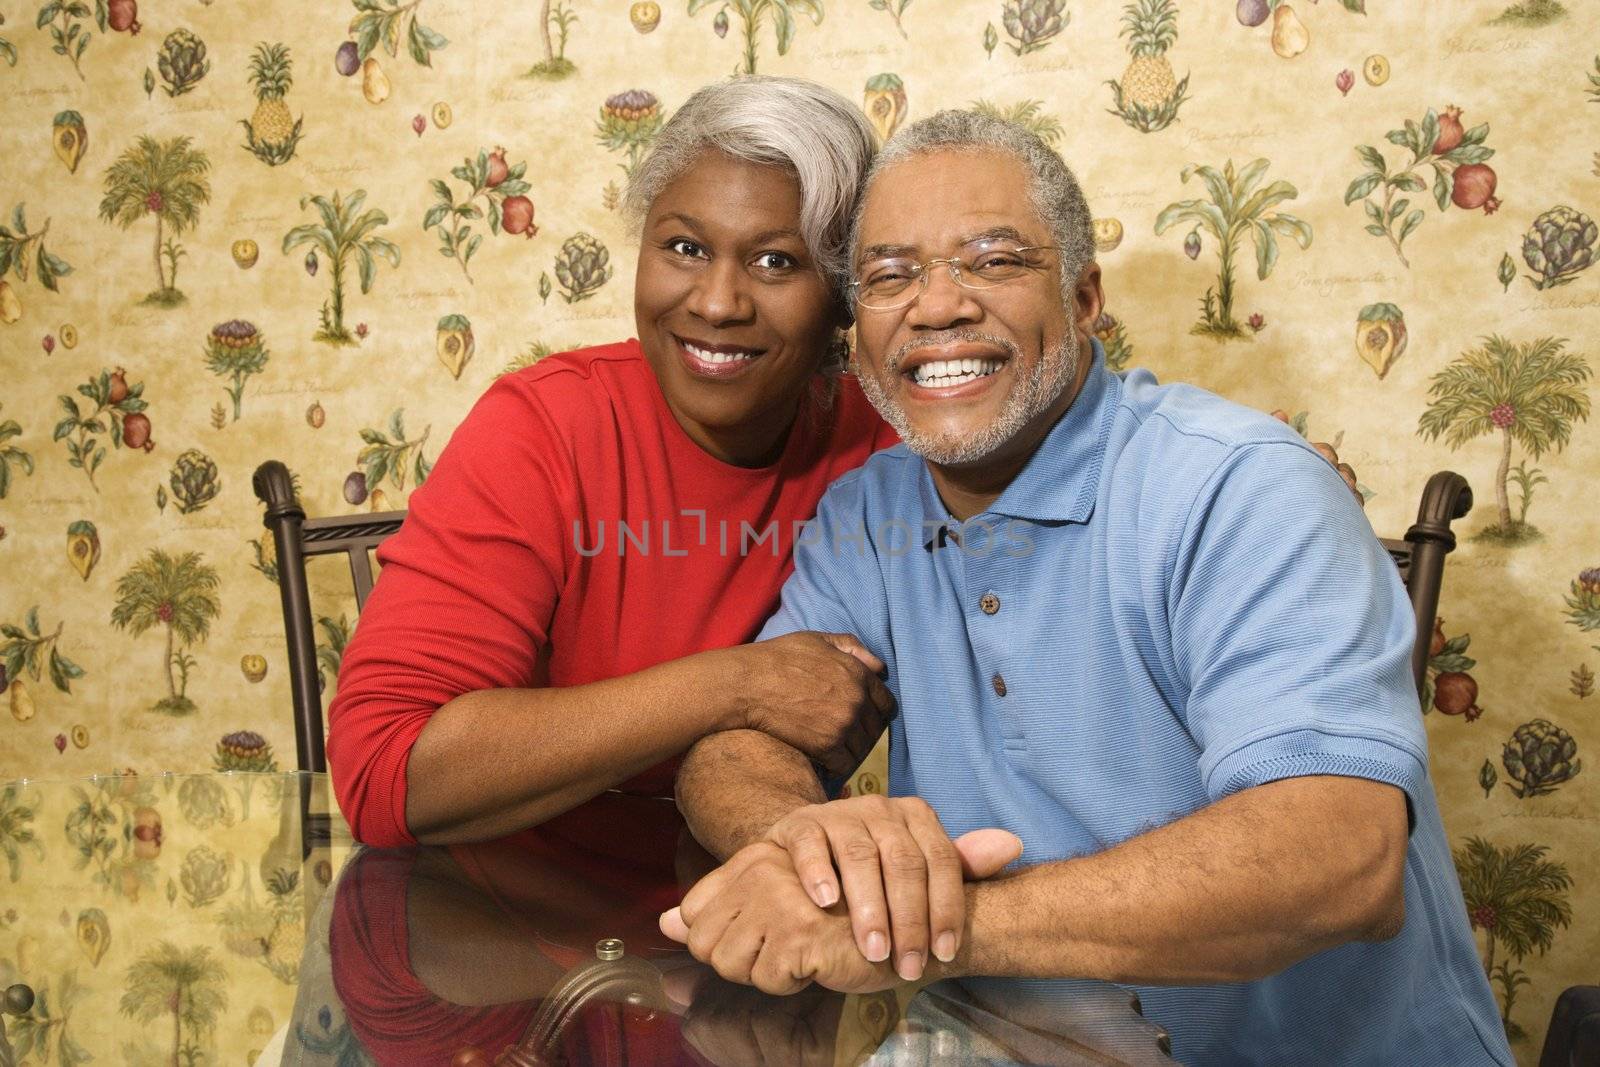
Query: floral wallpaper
(317,232)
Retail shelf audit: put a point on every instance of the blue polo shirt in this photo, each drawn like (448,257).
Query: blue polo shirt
(1176,599)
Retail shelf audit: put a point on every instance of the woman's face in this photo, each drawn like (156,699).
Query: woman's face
(732,313)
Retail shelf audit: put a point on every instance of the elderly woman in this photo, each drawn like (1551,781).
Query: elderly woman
(565,610)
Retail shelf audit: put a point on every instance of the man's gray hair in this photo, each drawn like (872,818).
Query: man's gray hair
(809,129)
(1051,185)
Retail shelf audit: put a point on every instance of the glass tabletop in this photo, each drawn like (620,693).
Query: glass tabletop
(220,918)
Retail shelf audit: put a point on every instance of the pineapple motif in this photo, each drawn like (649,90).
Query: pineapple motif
(1148,96)
(272,132)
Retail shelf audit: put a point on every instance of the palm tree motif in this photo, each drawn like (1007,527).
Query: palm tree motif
(752,14)
(188,984)
(179,592)
(342,233)
(1518,898)
(1236,209)
(166,179)
(1531,393)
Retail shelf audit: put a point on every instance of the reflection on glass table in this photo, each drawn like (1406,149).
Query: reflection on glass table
(227,919)
(519,954)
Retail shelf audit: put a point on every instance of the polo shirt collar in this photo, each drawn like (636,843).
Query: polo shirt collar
(1060,480)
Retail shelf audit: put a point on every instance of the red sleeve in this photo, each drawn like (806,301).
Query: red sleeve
(465,597)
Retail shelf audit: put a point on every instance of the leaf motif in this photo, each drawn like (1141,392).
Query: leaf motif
(391,33)
(435,215)
(1266,248)
(1443,186)
(366,29)
(415,44)
(442,190)
(785,27)
(1413,220)
(31,620)
(1361,187)
(1372,158)
(397,426)
(58,677)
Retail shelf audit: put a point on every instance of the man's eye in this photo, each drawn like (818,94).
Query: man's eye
(775,261)
(685,247)
(889,273)
(999,261)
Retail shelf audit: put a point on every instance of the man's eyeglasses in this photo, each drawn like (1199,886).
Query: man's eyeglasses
(894,282)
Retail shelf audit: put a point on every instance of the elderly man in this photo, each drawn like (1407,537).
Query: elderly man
(1147,631)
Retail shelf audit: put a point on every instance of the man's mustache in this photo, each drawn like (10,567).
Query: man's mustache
(946,337)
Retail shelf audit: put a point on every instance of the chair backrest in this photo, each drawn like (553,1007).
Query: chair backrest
(1420,556)
(295,537)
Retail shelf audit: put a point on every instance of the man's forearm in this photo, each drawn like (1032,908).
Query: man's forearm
(1233,892)
(734,785)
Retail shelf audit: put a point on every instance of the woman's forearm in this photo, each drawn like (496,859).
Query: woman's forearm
(493,762)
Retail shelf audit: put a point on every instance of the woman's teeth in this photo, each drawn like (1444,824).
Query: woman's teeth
(705,355)
(945,372)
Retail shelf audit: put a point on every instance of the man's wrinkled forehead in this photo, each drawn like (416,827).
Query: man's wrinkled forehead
(938,201)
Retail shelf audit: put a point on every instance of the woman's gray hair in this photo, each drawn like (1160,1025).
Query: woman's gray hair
(809,129)
(1051,185)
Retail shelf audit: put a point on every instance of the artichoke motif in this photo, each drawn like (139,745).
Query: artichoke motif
(244,750)
(1031,24)
(205,876)
(182,62)
(628,122)
(235,350)
(1539,757)
(194,481)
(582,267)
(1559,245)
(1584,602)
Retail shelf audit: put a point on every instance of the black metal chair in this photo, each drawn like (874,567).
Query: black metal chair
(295,537)
(1420,556)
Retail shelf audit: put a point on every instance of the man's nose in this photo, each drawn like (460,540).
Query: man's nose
(719,296)
(943,302)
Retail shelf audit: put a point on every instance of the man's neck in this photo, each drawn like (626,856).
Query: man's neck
(970,489)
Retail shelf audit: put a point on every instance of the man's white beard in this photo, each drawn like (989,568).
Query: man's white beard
(1029,397)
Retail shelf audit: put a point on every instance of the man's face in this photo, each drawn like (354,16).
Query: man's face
(966,376)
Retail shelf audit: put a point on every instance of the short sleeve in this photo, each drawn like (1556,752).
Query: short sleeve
(1292,630)
(463,602)
(836,586)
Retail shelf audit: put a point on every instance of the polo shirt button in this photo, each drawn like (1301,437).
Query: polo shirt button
(999,684)
(989,603)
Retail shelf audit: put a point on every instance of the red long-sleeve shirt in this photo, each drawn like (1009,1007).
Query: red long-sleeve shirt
(559,540)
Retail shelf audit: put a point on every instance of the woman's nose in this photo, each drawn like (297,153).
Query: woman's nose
(719,296)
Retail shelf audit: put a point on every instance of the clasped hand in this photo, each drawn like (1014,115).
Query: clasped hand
(774,916)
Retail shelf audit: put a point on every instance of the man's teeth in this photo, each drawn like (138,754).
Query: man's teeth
(705,355)
(943,372)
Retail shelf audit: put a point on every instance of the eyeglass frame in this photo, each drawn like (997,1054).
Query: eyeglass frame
(958,269)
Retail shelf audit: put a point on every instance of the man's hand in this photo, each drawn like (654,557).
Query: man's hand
(753,922)
(821,694)
(902,874)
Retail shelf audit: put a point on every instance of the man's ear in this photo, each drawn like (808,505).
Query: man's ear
(1088,298)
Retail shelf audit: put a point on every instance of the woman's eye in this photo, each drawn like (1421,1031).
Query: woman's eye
(685,247)
(774,261)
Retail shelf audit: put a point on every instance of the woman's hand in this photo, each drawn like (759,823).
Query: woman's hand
(819,693)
